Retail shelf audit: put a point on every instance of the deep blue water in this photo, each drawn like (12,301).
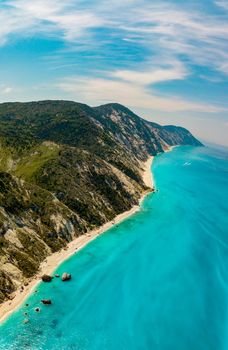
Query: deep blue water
(157,281)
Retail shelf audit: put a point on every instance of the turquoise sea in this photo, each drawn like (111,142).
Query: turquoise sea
(157,281)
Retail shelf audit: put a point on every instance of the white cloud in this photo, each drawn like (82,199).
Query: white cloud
(174,39)
(166,30)
(176,71)
(4,89)
(171,31)
(50,18)
(13,22)
(95,91)
(222,3)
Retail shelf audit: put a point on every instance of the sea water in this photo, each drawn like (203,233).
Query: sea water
(157,281)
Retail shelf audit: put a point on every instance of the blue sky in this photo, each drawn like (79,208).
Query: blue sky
(166,60)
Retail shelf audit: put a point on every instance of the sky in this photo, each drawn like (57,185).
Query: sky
(165,60)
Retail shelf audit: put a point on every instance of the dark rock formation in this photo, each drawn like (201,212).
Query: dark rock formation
(46,278)
(46,301)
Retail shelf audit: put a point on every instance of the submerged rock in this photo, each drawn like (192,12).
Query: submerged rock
(66,276)
(46,278)
(46,301)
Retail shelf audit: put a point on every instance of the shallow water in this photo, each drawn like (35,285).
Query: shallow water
(157,281)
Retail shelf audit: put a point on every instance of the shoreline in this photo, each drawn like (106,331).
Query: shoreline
(51,263)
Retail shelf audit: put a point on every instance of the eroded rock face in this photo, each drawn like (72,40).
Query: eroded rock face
(28,231)
(7,287)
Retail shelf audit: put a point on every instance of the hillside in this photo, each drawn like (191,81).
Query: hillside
(66,168)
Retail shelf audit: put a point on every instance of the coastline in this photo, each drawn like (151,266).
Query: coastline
(53,261)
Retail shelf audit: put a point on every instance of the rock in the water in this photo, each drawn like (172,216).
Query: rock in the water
(46,301)
(46,278)
(66,276)
(37,309)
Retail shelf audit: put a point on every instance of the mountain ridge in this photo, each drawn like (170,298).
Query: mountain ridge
(67,168)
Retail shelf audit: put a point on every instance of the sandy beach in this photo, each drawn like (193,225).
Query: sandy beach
(54,260)
(147,174)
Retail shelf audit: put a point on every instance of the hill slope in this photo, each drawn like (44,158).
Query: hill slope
(66,168)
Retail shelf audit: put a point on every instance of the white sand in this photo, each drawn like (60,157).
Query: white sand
(54,260)
(147,174)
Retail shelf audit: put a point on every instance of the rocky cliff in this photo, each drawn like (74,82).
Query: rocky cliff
(66,168)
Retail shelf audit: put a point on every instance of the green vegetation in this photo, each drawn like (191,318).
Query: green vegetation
(29,164)
(6,157)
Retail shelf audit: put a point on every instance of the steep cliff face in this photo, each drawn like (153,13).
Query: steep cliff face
(33,224)
(66,168)
(141,137)
(93,188)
